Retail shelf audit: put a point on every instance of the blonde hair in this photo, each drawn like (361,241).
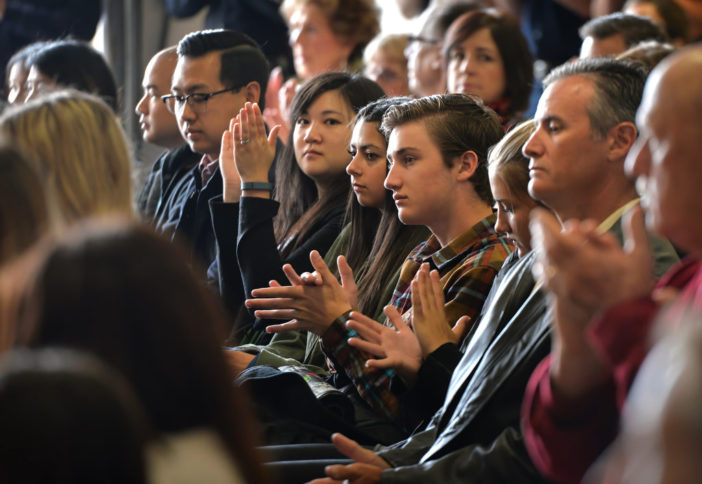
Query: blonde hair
(353,21)
(75,142)
(506,159)
(392,45)
(23,209)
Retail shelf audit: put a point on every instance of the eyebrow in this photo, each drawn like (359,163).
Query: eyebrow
(401,151)
(190,89)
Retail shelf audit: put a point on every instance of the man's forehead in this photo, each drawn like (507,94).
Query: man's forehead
(195,71)
(564,97)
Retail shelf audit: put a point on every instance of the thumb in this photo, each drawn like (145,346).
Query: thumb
(460,329)
(635,236)
(345,271)
(352,450)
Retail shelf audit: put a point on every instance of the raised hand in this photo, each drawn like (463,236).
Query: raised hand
(591,269)
(310,307)
(254,151)
(231,190)
(428,314)
(393,348)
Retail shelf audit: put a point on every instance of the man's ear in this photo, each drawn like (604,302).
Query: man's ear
(620,139)
(465,164)
(252,91)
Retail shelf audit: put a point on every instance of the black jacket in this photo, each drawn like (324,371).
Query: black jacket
(166,175)
(475,436)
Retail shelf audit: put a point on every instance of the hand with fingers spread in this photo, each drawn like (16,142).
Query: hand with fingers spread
(429,316)
(307,307)
(254,151)
(231,189)
(396,348)
(366,468)
(591,269)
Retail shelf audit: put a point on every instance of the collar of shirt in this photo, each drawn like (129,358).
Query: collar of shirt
(207,167)
(475,235)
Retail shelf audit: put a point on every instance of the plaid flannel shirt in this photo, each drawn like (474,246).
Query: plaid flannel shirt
(467,266)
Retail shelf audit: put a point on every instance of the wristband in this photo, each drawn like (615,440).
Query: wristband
(257,186)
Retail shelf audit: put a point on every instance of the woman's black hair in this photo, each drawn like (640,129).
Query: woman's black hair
(378,242)
(300,206)
(73,63)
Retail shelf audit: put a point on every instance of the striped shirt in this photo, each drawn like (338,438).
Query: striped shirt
(467,266)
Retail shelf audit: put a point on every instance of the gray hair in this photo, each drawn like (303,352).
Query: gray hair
(618,86)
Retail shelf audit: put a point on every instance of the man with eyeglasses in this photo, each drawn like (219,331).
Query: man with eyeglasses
(216,73)
(425,70)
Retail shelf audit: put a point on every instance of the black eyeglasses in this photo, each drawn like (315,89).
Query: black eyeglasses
(197,100)
(423,40)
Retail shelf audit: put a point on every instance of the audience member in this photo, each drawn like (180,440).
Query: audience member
(159,126)
(306,210)
(16,72)
(425,72)
(615,33)
(71,64)
(100,289)
(217,72)
(385,63)
(325,36)
(77,146)
(666,13)
(437,149)
(486,55)
(602,295)
(68,419)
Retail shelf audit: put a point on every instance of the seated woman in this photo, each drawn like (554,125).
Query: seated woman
(486,55)
(76,144)
(307,207)
(325,36)
(119,292)
(71,63)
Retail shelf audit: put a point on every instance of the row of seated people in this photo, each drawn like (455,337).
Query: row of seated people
(438,175)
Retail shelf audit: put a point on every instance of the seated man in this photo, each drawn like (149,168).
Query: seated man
(217,72)
(613,34)
(603,301)
(159,126)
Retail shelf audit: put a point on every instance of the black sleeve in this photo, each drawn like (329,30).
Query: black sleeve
(421,402)
(503,460)
(257,250)
(225,224)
